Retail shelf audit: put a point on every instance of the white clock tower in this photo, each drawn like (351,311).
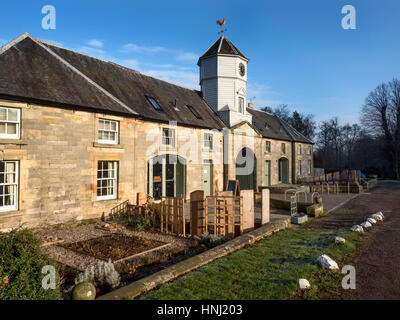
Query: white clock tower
(223,78)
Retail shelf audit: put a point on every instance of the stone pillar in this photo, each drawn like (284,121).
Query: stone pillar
(248,209)
(197,214)
(141,198)
(265,206)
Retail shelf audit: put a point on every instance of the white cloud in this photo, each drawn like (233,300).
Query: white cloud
(262,95)
(129,63)
(188,77)
(94,52)
(178,54)
(130,47)
(185,78)
(95,43)
(186,56)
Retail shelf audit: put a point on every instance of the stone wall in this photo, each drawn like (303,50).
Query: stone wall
(58,156)
(303,153)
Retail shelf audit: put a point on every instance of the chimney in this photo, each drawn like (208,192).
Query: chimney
(251,106)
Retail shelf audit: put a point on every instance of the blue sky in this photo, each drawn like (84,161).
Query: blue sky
(299,53)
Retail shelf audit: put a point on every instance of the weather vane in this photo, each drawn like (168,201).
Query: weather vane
(221,24)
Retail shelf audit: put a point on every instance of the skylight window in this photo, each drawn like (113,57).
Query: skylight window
(155,104)
(267,126)
(194,111)
(257,126)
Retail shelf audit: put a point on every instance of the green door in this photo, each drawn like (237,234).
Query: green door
(207,177)
(268,173)
(283,170)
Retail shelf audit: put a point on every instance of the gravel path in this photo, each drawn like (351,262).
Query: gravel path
(377,262)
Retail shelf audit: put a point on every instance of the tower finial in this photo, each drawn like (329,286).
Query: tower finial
(221,24)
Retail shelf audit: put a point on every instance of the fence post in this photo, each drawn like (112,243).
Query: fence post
(141,198)
(248,209)
(197,214)
(265,206)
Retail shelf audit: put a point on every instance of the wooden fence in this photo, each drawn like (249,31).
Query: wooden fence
(220,215)
(224,215)
(172,215)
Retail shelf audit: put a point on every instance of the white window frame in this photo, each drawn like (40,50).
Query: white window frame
(210,140)
(299,149)
(170,137)
(17,122)
(300,167)
(15,184)
(115,179)
(309,167)
(116,131)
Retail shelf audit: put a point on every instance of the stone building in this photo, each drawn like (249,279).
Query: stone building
(79,135)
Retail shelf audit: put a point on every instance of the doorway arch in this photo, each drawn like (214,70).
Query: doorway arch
(246,169)
(283,170)
(166,176)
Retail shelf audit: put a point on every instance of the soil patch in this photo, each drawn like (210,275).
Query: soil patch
(113,246)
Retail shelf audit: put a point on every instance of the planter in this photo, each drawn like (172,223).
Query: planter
(299,220)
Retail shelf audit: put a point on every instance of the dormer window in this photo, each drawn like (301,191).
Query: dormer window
(155,104)
(195,113)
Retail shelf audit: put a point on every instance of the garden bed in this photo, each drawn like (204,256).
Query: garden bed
(116,247)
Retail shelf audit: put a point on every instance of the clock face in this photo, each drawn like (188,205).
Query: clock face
(242,69)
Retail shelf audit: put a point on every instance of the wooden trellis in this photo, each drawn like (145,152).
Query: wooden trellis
(172,216)
(224,215)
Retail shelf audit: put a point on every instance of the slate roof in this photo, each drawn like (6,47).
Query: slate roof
(34,70)
(222,46)
(273,127)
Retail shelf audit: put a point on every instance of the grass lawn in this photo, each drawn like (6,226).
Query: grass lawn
(269,269)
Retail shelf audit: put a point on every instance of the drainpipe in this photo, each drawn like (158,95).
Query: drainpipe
(293,162)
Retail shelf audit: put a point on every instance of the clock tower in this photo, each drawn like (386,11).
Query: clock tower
(223,78)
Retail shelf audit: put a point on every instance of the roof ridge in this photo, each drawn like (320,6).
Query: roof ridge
(97,86)
(302,135)
(232,45)
(260,111)
(68,49)
(13,42)
(114,63)
(151,76)
(221,39)
(284,127)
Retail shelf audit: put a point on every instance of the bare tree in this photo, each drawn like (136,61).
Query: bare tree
(304,124)
(381,117)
